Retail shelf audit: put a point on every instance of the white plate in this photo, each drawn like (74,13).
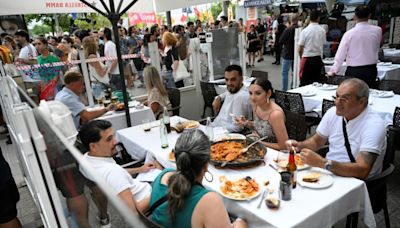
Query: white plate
(325,180)
(327,87)
(230,136)
(308,93)
(242,199)
(383,94)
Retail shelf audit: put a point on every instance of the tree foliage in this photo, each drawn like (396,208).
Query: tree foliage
(216,9)
(41,30)
(47,20)
(93,21)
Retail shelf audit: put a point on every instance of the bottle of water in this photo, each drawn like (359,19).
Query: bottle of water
(166,120)
(209,129)
(163,134)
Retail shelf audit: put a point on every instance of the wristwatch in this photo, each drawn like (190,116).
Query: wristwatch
(328,165)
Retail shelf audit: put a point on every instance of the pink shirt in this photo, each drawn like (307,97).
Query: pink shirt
(359,46)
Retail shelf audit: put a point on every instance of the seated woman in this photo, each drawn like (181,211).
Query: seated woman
(189,204)
(269,118)
(157,96)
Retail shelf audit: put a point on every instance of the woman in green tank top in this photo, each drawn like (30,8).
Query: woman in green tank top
(189,204)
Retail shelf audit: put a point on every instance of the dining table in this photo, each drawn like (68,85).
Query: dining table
(314,94)
(118,118)
(309,206)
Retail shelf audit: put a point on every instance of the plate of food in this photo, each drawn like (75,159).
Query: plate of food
(188,124)
(120,107)
(283,160)
(245,188)
(382,94)
(327,87)
(227,153)
(314,179)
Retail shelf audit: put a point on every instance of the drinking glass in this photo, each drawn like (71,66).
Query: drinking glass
(146,125)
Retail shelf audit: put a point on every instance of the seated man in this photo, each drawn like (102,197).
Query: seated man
(69,95)
(98,136)
(235,101)
(360,156)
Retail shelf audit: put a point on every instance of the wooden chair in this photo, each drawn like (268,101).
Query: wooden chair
(209,93)
(389,85)
(259,74)
(326,105)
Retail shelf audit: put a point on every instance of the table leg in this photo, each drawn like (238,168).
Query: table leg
(352,220)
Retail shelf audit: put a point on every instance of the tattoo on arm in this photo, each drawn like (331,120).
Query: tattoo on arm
(368,158)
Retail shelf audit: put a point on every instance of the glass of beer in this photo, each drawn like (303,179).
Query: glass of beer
(100,101)
(146,125)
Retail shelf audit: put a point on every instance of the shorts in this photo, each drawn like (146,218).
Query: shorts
(9,196)
(69,180)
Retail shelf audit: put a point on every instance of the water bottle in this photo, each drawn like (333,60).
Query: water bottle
(209,129)
(166,120)
(163,135)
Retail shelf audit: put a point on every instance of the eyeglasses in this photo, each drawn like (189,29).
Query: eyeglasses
(345,98)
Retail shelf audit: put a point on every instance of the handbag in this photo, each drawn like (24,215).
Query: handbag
(346,142)
(49,91)
(180,72)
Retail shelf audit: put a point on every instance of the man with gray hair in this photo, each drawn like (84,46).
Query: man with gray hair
(356,135)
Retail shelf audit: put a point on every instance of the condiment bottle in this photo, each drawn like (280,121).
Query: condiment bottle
(291,167)
(163,134)
(166,120)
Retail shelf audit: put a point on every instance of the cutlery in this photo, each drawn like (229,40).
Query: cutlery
(262,197)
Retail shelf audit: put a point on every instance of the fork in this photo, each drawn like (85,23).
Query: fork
(262,197)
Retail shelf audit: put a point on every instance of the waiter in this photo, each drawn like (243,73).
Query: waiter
(360,47)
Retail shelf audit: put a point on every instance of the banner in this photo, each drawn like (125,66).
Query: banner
(257,3)
(147,18)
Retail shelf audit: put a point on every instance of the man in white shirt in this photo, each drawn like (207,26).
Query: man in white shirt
(110,50)
(98,136)
(311,42)
(235,101)
(363,153)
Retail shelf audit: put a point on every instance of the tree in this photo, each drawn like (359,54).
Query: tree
(64,20)
(41,30)
(216,9)
(93,21)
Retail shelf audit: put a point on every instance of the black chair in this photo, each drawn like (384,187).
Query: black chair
(259,74)
(388,85)
(326,105)
(174,96)
(337,79)
(209,93)
(147,221)
(296,125)
(396,127)
(396,117)
(293,102)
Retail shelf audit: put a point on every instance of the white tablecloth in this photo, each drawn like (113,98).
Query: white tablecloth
(118,119)
(308,207)
(388,72)
(384,106)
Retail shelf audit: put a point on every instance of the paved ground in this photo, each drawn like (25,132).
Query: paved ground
(29,216)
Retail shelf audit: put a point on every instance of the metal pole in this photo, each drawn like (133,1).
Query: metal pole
(114,17)
(169,21)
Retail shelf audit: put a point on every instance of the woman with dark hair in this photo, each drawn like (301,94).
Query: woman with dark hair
(269,118)
(252,43)
(189,204)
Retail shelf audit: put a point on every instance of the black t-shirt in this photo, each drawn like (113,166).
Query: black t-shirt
(172,53)
(5,171)
(261,29)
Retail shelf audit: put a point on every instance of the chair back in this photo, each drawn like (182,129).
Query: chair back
(288,101)
(174,96)
(388,85)
(147,221)
(336,80)
(259,74)
(209,93)
(326,105)
(396,117)
(296,125)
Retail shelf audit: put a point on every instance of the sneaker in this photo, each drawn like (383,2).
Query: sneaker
(104,222)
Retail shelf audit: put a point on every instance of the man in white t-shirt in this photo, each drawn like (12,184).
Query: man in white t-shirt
(311,44)
(110,50)
(98,136)
(27,55)
(365,131)
(235,101)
